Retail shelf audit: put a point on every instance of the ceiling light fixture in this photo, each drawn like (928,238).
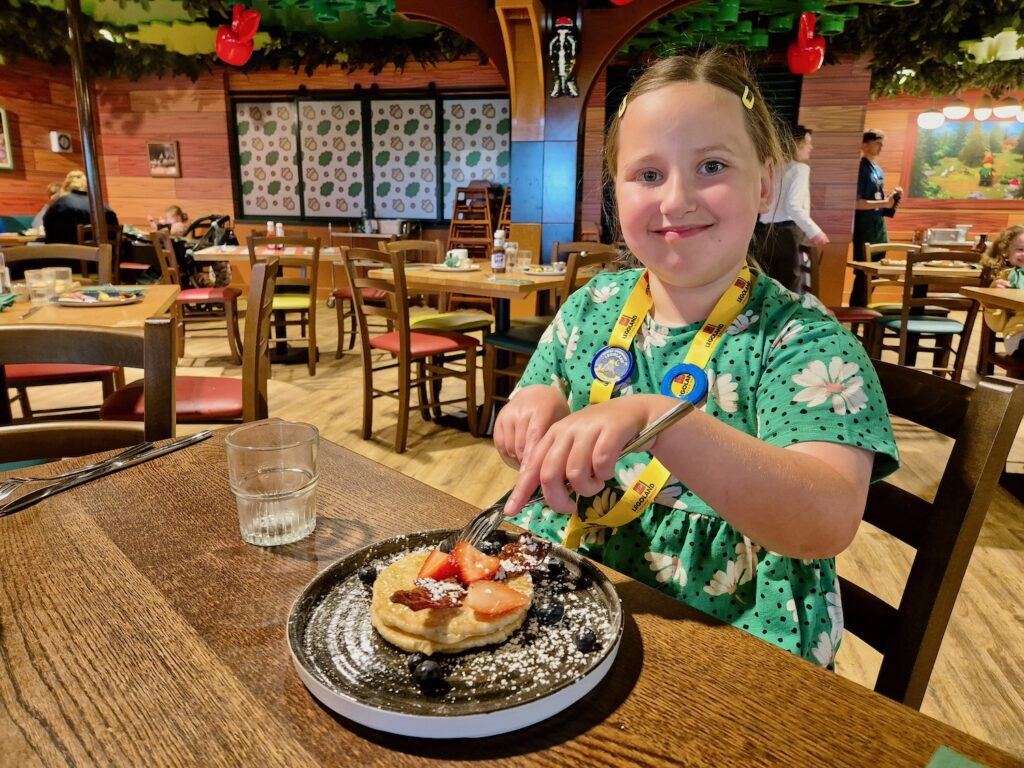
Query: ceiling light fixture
(931,119)
(983,109)
(956,110)
(1008,107)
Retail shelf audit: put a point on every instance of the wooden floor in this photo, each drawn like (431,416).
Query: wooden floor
(978,683)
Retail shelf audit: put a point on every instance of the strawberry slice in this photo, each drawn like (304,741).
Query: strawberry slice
(438,566)
(473,565)
(493,598)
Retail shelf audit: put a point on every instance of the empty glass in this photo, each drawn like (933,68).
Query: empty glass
(61,278)
(41,286)
(523,260)
(272,468)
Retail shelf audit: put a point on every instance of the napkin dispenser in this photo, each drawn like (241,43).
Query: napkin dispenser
(944,236)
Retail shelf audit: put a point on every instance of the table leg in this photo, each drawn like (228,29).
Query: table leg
(5,403)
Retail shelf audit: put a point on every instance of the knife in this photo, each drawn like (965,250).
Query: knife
(29,499)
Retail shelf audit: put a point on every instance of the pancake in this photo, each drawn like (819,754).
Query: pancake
(438,630)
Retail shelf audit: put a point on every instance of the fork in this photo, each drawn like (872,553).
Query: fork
(485,522)
(11,484)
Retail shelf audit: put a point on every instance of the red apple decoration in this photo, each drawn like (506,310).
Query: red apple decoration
(234,43)
(807,52)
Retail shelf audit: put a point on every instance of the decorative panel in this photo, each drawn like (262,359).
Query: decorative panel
(476,144)
(404,159)
(267,158)
(333,166)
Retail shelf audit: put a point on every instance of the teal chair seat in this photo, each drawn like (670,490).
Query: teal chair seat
(895,309)
(923,324)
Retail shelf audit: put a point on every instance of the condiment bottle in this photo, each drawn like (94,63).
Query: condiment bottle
(498,253)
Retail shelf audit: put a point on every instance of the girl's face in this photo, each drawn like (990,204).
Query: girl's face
(1015,253)
(689,184)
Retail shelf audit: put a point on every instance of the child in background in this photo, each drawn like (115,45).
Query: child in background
(174,220)
(1004,268)
(740,508)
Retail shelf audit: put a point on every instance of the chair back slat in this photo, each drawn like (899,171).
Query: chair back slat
(307,264)
(170,273)
(100,255)
(85,235)
(256,350)
(595,255)
(427,251)
(357,262)
(51,440)
(983,422)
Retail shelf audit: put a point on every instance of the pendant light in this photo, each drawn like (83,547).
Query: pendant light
(983,109)
(1008,107)
(931,119)
(956,110)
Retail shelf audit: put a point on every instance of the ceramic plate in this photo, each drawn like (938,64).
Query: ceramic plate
(543,269)
(92,298)
(532,676)
(443,268)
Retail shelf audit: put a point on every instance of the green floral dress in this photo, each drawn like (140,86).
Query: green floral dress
(786,373)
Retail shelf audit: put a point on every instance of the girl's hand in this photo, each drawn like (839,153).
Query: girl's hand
(524,420)
(1001,284)
(583,448)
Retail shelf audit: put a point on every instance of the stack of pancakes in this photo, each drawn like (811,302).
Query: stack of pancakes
(438,630)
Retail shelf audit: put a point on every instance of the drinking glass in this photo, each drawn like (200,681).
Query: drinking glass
(272,468)
(511,251)
(41,286)
(61,278)
(524,259)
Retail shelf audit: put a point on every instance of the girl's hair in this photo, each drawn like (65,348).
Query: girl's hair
(995,258)
(176,212)
(75,181)
(715,68)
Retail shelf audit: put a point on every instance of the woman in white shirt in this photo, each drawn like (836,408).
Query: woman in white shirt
(788,222)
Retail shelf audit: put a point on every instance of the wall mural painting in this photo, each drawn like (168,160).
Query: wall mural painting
(267,158)
(331,133)
(968,160)
(404,159)
(476,144)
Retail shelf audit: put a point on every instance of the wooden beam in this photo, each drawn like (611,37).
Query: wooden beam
(521,22)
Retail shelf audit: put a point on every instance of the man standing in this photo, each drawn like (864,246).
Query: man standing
(872,202)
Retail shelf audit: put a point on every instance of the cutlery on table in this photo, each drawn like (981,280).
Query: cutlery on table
(10,484)
(31,312)
(52,489)
(485,522)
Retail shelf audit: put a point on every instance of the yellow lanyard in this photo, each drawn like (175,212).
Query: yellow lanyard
(648,485)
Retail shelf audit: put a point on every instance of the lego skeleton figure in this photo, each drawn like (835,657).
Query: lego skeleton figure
(562,52)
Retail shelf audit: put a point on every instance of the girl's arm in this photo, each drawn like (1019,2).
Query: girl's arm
(804,501)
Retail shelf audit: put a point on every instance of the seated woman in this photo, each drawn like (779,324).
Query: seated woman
(52,193)
(62,218)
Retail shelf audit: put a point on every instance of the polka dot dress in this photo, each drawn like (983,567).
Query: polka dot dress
(786,373)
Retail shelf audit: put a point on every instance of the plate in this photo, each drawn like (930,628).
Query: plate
(117,297)
(543,269)
(535,674)
(443,268)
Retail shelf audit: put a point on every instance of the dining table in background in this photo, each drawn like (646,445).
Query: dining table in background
(139,629)
(996,298)
(241,253)
(13,239)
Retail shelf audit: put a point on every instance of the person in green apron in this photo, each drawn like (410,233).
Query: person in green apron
(869,214)
(740,508)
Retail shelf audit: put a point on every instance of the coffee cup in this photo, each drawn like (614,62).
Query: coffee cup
(457,257)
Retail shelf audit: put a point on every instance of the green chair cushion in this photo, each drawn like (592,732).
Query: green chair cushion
(942,325)
(522,340)
(292,302)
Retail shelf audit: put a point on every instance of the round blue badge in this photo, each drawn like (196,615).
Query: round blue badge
(686,382)
(612,365)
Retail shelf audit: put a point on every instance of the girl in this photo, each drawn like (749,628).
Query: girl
(738,509)
(1004,268)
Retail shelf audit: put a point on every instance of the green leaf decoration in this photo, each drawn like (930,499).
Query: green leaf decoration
(353,159)
(473,159)
(247,187)
(325,159)
(503,158)
(355,188)
(244,158)
(382,158)
(326,188)
(383,189)
(447,190)
(323,127)
(411,190)
(381,126)
(473,127)
(243,128)
(272,158)
(269,127)
(447,124)
(411,158)
(411,126)
(352,127)
(447,157)
(274,187)
(504,126)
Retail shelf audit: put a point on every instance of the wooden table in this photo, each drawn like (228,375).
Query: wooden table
(13,239)
(241,253)
(157,300)
(145,632)
(483,282)
(996,298)
(880,269)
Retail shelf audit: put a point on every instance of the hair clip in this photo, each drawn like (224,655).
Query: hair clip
(747,98)
(622,107)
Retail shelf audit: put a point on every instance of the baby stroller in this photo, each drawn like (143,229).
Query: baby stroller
(205,232)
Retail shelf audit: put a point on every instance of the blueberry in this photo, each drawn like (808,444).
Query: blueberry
(415,660)
(367,574)
(550,611)
(585,640)
(428,674)
(555,569)
(582,582)
(489,547)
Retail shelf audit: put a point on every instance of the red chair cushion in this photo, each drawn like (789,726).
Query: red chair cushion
(423,344)
(198,398)
(369,294)
(196,295)
(854,314)
(18,373)
(133,265)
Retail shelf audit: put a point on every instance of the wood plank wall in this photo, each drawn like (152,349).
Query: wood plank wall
(38,99)
(591,199)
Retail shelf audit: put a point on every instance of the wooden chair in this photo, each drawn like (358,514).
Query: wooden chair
(53,440)
(983,422)
(225,298)
(296,291)
(912,325)
(100,255)
(115,233)
(151,349)
(858,318)
(433,351)
(210,399)
(521,341)
(344,306)
(880,249)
